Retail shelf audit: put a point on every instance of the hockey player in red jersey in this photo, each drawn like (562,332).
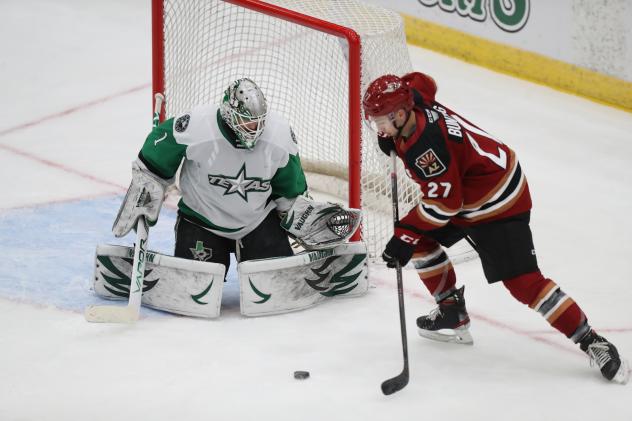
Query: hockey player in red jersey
(472,187)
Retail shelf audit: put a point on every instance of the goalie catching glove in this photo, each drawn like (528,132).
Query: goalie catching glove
(144,197)
(319,225)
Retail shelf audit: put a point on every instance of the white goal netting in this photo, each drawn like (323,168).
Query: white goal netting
(304,74)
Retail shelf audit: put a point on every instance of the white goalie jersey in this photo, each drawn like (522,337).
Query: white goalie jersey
(226,187)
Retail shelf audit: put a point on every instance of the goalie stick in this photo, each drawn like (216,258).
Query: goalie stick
(131,312)
(400,381)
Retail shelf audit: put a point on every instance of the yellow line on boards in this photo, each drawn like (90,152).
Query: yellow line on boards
(520,63)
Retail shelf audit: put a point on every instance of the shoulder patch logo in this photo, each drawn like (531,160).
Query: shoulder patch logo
(430,164)
(182,123)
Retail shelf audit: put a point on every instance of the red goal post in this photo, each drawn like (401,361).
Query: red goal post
(325,52)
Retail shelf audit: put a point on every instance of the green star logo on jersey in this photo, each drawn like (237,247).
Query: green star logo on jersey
(240,184)
(200,252)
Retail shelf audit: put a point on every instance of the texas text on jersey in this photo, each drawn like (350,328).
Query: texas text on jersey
(465,174)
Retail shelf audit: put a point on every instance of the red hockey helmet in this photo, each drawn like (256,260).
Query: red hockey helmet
(386,95)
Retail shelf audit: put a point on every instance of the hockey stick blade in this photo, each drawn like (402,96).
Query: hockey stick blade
(131,312)
(395,384)
(110,314)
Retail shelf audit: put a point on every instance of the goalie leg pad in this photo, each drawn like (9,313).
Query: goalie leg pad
(171,284)
(284,284)
(319,225)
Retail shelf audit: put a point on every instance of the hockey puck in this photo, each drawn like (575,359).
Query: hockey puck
(301,375)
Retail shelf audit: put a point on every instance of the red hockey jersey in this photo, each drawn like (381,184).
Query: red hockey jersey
(466,175)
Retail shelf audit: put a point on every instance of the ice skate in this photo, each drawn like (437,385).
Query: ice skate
(450,315)
(604,355)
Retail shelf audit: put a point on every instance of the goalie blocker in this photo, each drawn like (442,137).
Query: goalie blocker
(267,286)
(144,197)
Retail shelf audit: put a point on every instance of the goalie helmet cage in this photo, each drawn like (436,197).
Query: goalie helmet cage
(313,59)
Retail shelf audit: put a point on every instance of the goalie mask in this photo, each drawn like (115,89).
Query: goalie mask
(244,109)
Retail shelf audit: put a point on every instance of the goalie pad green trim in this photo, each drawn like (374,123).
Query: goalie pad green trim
(285,284)
(171,284)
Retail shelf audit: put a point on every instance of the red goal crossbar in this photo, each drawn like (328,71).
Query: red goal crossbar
(353,40)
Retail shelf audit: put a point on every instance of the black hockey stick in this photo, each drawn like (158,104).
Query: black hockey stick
(401,380)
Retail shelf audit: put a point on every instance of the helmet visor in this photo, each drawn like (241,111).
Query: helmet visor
(383,125)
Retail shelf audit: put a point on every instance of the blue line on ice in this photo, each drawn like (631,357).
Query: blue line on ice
(48,251)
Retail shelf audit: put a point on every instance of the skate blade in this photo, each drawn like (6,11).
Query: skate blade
(623,374)
(460,336)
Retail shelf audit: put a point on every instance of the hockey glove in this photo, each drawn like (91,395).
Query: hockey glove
(400,247)
(144,197)
(319,225)
(386,144)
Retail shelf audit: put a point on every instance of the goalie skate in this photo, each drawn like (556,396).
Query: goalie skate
(449,322)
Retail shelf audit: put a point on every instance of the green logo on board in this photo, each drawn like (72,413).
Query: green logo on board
(508,15)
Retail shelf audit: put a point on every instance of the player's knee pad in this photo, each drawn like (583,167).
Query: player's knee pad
(539,293)
(526,288)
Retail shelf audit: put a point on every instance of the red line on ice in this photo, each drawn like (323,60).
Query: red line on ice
(530,334)
(492,322)
(60,167)
(72,110)
(59,201)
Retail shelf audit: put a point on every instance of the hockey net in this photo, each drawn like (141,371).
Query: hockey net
(313,59)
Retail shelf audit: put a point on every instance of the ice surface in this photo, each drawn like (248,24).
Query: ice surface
(76,105)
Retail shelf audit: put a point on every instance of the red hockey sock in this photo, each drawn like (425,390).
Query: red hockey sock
(434,268)
(544,296)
